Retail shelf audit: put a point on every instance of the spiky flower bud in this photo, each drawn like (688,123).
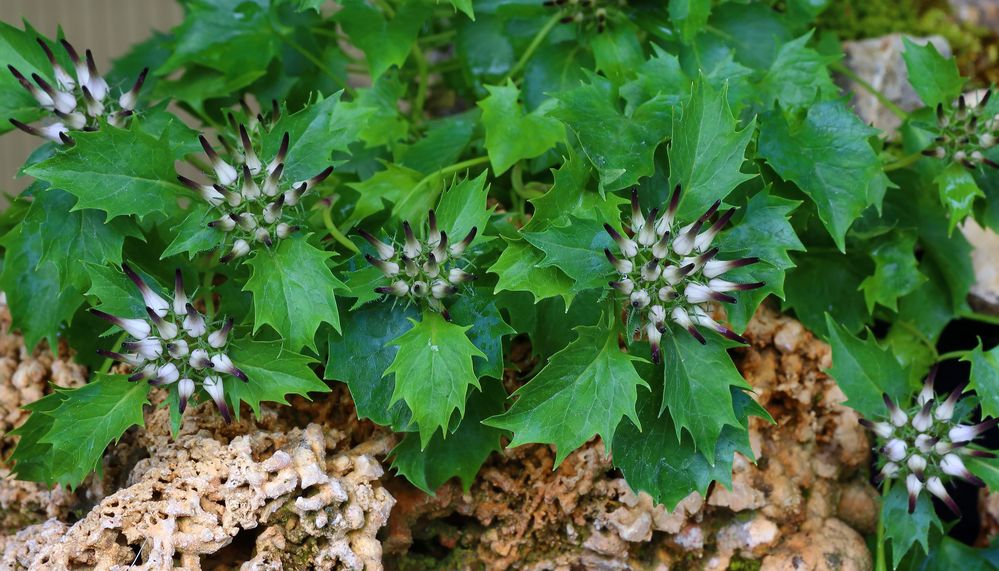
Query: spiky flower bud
(423,270)
(926,451)
(676,266)
(181,352)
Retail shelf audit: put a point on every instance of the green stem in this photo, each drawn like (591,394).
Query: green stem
(903,162)
(953,355)
(208,285)
(106,365)
(437,39)
(446,171)
(336,233)
(879,560)
(980,317)
(888,103)
(422,85)
(922,338)
(533,46)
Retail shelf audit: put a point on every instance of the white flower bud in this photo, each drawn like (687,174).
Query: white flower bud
(218,338)
(917,463)
(923,420)
(890,470)
(651,271)
(895,450)
(667,293)
(639,298)
(924,442)
(178,349)
(167,374)
(148,348)
(184,390)
(199,359)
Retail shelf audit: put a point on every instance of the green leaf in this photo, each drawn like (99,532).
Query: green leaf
(273,372)
(570,195)
(985,468)
(518,270)
(576,249)
(622,154)
(18,48)
(39,300)
(385,42)
(896,273)
(660,75)
(432,371)
(360,358)
(958,191)
(361,284)
(799,76)
(935,78)
(118,295)
(463,5)
(668,468)
(477,308)
(699,383)
(32,459)
(865,371)
(462,453)
(293,291)
(231,36)
(707,150)
(391,184)
(463,207)
(87,420)
(118,171)
(827,155)
(511,134)
(985,378)
(193,235)
(442,144)
(689,17)
(765,232)
(585,389)
(71,237)
(315,132)
(813,289)
(617,52)
(385,124)
(903,529)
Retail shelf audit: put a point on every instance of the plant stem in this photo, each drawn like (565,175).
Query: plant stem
(533,46)
(953,355)
(980,317)
(903,162)
(448,170)
(438,38)
(879,560)
(888,103)
(336,233)
(422,84)
(316,62)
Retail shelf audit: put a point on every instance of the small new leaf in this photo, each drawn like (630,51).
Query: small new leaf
(934,77)
(432,371)
(865,371)
(985,378)
(512,134)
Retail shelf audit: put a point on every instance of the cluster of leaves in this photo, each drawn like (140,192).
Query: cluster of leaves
(533,128)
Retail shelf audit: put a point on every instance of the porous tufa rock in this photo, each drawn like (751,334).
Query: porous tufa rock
(196,494)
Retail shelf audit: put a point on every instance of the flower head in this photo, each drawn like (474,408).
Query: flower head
(175,342)
(252,203)
(584,12)
(77,100)
(923,444)
(964,134)
(422,269)
(670,271)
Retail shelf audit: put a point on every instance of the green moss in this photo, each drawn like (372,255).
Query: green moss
(739,564)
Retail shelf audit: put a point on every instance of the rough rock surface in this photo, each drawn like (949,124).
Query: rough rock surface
(25,376)
(309,503)
(803,505)
(985,252)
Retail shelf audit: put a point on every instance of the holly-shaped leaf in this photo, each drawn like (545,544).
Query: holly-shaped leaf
(699,384)
(315,132)
(359,359)
(668,468)
(459,455)
(659,75)
(193,235)
(985,378)
(799,76)
(865,372)
(958,191)
(512,134)
(812,290)
(391,184)
(896,273)
(477,308)
(765,232)
(827,155)
(385,40)
(432,371)
(19,49)
(903,529)
(293,291)
(617,52)
(935,78)
(584,390)
(622,154)
(689,17)
(518,270)
(463,207)
(272,372)
(707,149)
(32,459)
(571,195)
(576,249)
(118,171)
(83,422)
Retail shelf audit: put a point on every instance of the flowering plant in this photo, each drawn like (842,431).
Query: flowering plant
(428,183)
